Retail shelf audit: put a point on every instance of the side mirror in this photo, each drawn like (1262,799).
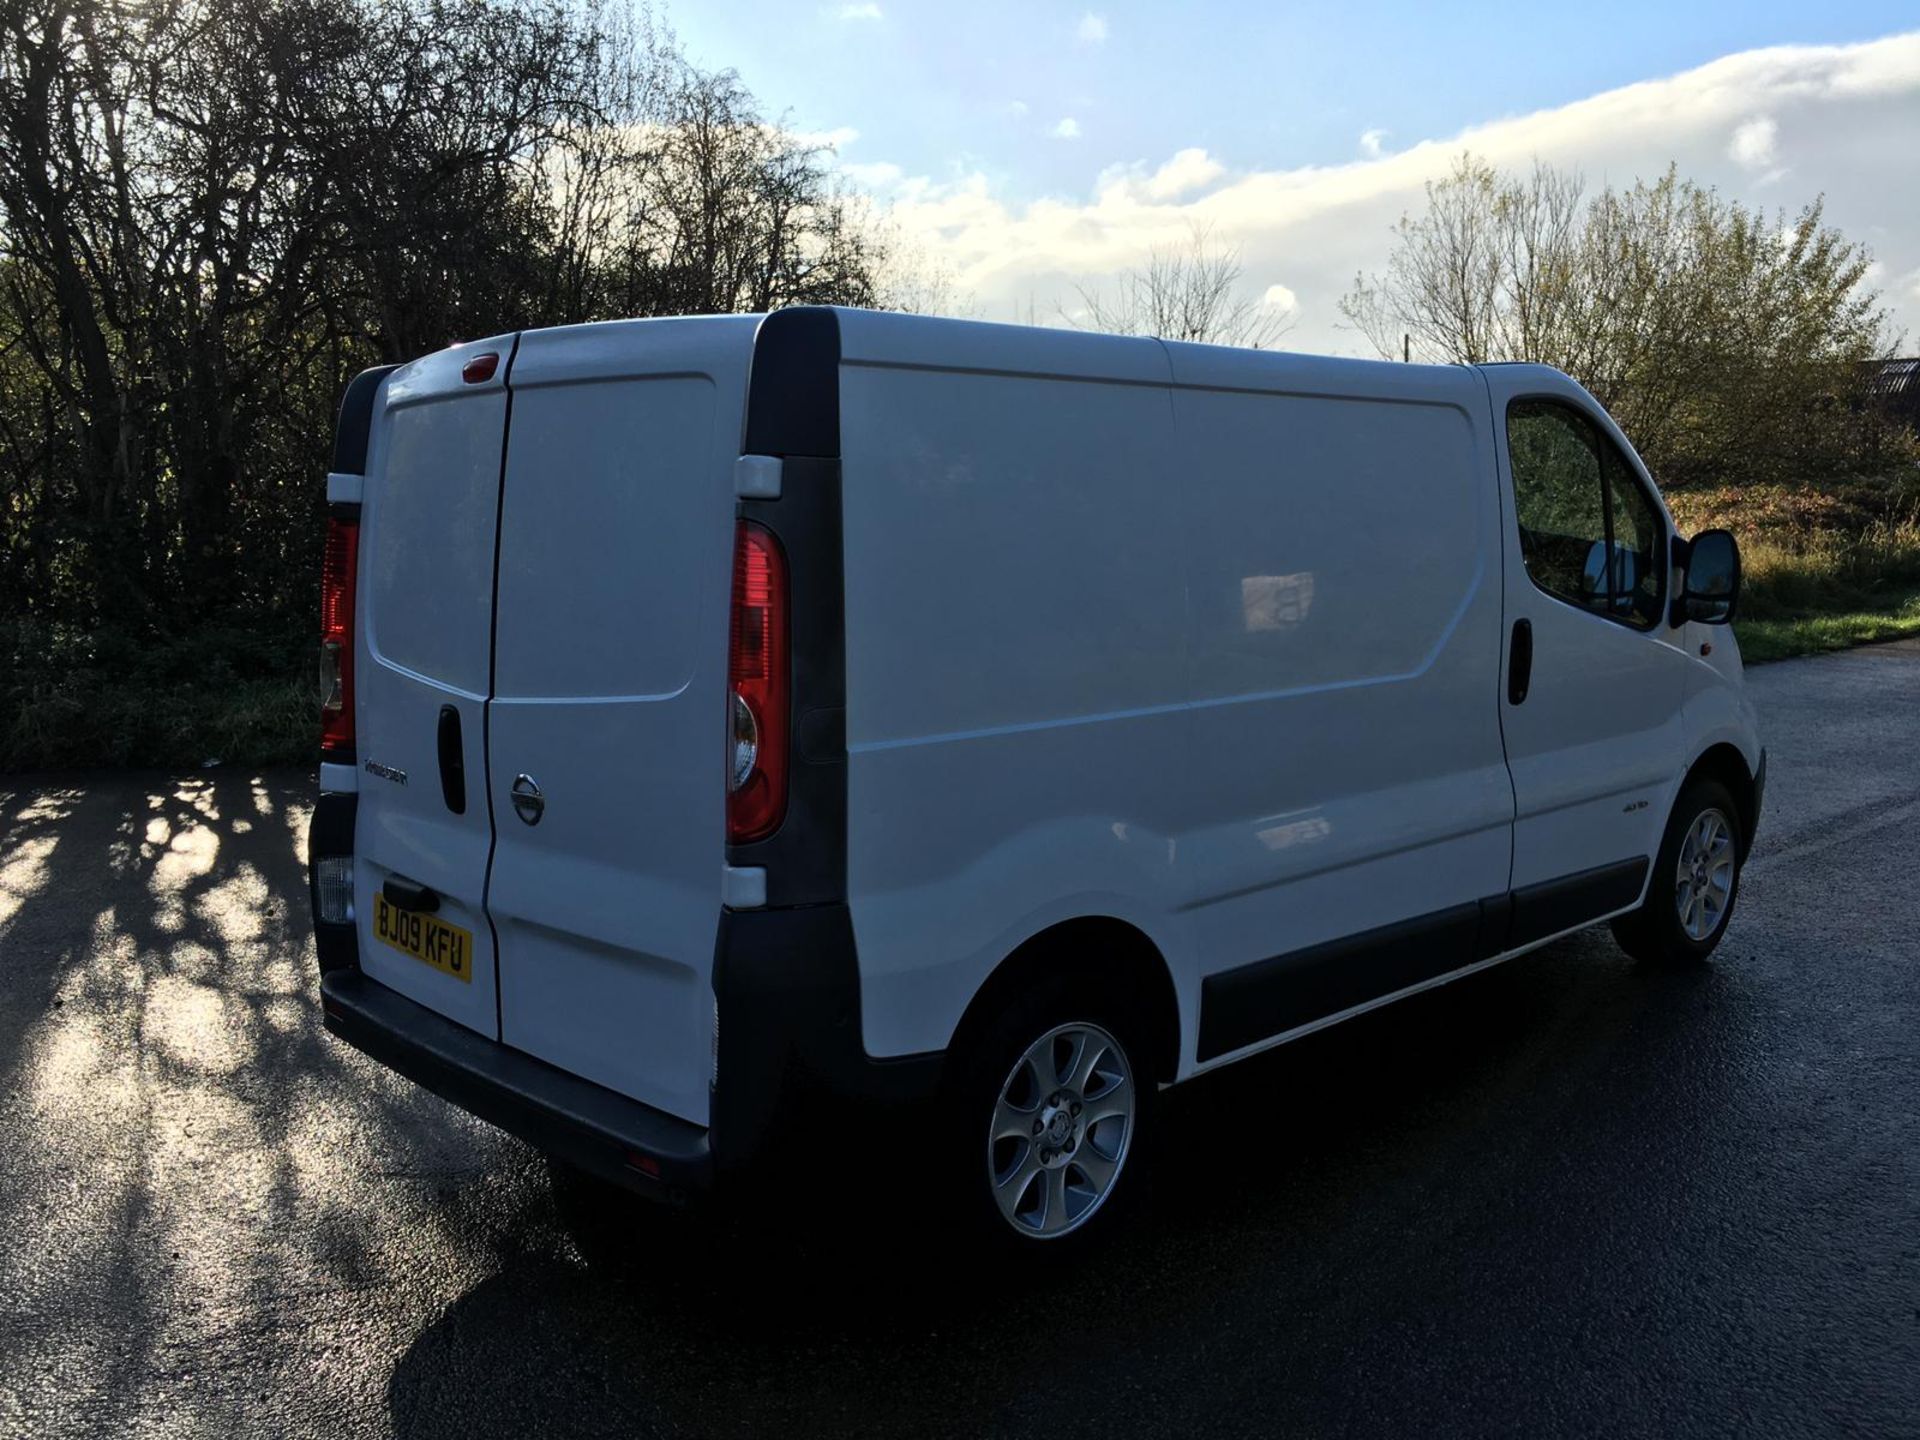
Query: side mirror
(1626,575)
(1710,588)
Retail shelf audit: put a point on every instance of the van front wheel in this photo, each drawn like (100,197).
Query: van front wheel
(1696,879)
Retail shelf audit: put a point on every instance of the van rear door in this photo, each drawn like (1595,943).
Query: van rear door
(423,674)
(609,710)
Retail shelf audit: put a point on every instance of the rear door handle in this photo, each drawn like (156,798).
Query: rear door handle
(1520,662)
(453,761)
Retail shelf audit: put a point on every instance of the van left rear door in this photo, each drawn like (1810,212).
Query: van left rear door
(423,674)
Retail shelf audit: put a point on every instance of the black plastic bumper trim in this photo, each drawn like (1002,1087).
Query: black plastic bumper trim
(788,987)
(567,1117)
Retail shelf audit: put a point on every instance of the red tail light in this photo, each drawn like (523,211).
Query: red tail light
(337,574)
(757,667)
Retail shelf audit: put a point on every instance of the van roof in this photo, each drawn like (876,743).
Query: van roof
(898,339)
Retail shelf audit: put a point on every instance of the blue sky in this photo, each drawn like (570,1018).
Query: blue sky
(1034,147)
(930,86)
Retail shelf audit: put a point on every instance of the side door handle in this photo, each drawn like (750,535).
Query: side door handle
(1520,662)
(453,761)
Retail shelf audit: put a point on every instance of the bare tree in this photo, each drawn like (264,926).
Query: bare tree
(212,212)
(1188,292)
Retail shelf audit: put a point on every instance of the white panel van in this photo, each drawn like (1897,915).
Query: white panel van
(1006,721)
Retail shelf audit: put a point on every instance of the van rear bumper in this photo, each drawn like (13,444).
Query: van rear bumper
(575,1120)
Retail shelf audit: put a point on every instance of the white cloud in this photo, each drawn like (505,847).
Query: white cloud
(1753,143)
(1189,170)
(1852,111)
(1017,107)
(1092,29)
(837,139)
(878,175)
(1371,143)
(1280,298)
(867,11)
(1067,129)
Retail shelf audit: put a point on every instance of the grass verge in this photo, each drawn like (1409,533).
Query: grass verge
(1781,639)
(1825,566)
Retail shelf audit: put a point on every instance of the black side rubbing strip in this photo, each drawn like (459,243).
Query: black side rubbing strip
(793,411)
(1269,997)
(355,422)
(1573,900)
(1496,924)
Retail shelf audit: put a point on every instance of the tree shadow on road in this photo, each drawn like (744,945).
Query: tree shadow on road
(199,1184)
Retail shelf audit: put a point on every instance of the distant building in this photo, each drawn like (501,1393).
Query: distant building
(1895,386)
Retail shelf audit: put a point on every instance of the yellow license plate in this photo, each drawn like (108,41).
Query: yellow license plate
(447,948)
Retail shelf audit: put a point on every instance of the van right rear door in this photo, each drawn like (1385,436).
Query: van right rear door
(423,673)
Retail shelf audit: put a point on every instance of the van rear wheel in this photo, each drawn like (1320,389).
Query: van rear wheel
(1696,879)
(1047,1124)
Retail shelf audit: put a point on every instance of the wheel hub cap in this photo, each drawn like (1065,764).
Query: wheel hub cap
(1703,879)
(1061,1129)
(1059,1126)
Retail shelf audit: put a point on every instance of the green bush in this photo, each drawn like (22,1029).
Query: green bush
(70,699)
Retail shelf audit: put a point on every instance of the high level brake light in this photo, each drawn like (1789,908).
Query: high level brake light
(337,574)
(757,668)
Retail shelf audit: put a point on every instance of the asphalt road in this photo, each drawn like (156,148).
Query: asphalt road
(1568,1196)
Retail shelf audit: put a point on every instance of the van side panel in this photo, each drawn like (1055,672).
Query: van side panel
(1344,583)
(1015,656)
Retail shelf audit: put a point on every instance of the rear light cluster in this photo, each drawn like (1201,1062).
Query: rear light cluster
(337,573)
(333,889)
(758,679)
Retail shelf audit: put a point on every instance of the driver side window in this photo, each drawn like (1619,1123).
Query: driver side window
(1588,532)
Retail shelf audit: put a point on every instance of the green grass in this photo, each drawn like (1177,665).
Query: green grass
(1781,639)
(1824,565)
(70,700)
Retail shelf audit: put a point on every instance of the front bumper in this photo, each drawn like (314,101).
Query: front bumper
(633,1145)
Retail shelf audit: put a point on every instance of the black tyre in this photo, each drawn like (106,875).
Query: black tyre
(1047,1120)
(1696,880)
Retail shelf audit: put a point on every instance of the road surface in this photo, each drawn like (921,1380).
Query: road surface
(1568,1196)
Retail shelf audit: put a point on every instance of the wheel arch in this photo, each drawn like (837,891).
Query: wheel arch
(1111,953)
(1723,762)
